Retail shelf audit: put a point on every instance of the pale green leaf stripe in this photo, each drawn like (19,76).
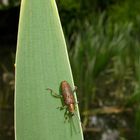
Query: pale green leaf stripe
(41,62)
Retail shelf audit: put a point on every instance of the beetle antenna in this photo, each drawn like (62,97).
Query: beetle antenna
(78,119)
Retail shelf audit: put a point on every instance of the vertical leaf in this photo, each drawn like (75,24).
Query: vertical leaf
(41,62)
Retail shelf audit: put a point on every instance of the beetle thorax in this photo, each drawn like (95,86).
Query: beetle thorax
(71,108)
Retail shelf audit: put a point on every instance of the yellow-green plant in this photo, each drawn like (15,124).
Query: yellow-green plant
(42,62)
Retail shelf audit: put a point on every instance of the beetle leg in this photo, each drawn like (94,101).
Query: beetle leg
(77,102)
(62,107)
(66,115)
(74,89)
(54,94)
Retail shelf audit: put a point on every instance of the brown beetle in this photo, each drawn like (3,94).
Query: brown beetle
(67,97)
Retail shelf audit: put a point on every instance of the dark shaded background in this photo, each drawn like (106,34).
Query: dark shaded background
(8,38)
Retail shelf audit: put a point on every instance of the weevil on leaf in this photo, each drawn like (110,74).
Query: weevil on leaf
(68,98)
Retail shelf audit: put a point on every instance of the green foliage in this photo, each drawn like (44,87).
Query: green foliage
(106,66)
(41,63)
(98,46)
(5,4)
(125,11)
(137,125)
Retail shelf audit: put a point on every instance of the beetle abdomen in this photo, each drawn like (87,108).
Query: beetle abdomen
(67,93)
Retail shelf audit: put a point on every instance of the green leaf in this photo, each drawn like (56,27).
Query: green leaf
(42,62)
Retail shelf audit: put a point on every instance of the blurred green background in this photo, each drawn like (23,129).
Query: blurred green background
(103,39)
